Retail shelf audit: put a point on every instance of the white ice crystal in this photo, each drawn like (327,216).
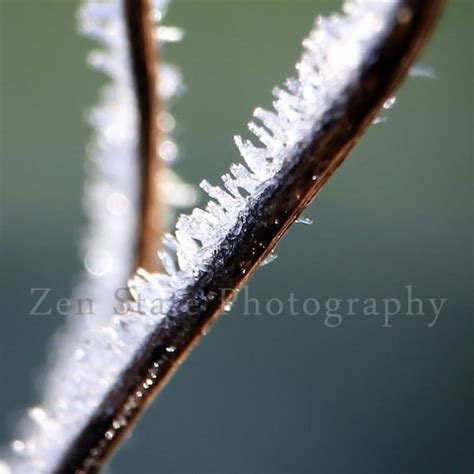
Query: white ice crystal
(422,70)
(333,55)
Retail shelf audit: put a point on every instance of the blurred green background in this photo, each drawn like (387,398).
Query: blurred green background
(264,394)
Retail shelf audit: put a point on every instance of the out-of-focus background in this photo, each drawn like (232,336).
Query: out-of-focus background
(264,394)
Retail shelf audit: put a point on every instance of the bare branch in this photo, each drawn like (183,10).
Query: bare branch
(144,55)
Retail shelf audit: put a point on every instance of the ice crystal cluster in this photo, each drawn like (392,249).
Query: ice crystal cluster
(332,58)
(98,350)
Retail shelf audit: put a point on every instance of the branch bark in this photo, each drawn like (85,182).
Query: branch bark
(144,56)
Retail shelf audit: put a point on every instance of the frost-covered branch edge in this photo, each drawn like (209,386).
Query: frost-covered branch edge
(126,202)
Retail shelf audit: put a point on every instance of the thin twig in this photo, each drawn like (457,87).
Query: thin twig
(144,55)
(254,237)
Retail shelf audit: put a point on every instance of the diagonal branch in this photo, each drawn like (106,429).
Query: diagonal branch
(257,230)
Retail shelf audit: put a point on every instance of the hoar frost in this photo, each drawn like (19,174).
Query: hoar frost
(98,350)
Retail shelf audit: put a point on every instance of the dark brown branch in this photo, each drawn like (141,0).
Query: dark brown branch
(144,54)
(254,237)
